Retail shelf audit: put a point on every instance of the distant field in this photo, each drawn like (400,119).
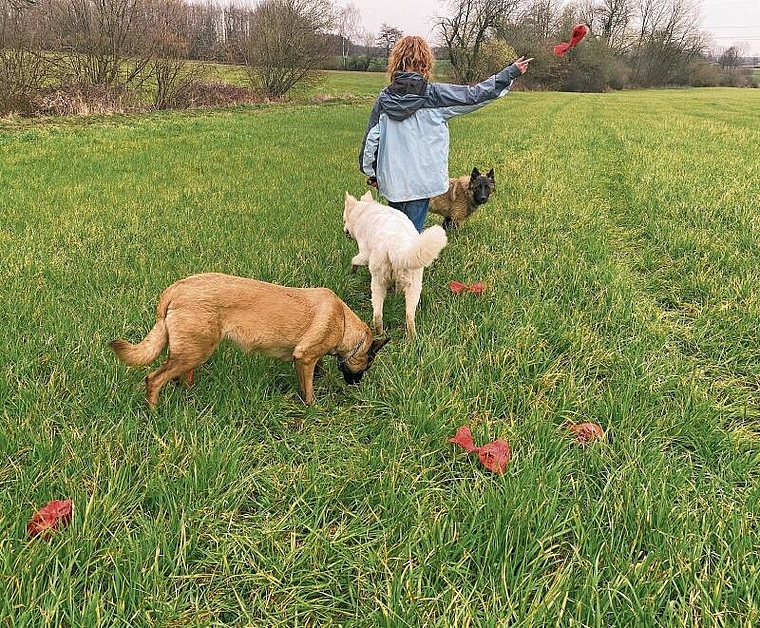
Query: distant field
(330,83)
(621,258)
(336,83)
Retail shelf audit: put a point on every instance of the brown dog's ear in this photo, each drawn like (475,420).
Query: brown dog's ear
(475,173)
(490,176)
(377,344)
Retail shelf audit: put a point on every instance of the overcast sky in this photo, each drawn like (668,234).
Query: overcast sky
(729,21)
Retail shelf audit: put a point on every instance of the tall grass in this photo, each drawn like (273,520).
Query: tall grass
(621,257)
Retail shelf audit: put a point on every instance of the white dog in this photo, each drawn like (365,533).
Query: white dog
(394,251)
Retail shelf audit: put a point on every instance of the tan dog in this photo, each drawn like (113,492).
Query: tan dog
(464,197)
(300,324)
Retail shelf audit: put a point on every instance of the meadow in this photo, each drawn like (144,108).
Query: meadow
(620,254)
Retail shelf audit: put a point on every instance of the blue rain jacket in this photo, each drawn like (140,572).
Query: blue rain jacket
(406,145)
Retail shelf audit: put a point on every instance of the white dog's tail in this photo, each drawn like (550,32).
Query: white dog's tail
(424,249)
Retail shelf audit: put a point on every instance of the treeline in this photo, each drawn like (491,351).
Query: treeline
(632,43)
(68,56)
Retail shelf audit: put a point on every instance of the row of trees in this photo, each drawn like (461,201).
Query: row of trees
(643,43)
(122,47)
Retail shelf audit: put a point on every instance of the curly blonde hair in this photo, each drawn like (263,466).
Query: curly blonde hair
(411,54)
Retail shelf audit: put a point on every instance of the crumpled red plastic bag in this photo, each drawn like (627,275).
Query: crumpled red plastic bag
(494,455)
(579,32)
(50,517)
(457,287)
(586,432)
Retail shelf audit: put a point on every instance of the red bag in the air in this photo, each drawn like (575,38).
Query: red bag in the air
(579,32)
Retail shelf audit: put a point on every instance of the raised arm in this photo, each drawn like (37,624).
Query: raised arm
(455,100)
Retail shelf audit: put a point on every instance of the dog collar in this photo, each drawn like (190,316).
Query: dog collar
(354,351)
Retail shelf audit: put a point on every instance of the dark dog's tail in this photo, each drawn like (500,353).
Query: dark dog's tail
(151,346)
(424,250)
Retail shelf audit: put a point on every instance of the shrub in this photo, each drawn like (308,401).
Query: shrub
(85,99)
(214,94)
(21,77)
(495,55)
(737,77)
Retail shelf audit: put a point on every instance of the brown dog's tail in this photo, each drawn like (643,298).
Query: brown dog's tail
(151,346)
(144,352)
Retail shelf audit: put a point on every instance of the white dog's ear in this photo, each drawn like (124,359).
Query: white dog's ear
(367,196)
(349,200)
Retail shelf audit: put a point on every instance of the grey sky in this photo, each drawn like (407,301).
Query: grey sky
(729,21)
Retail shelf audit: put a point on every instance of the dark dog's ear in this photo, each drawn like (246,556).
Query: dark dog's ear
(475,173)
(377,344)
(490,176)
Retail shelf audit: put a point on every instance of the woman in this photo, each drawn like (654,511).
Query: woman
(405,151)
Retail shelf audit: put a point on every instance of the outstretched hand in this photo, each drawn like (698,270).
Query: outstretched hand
(522,64)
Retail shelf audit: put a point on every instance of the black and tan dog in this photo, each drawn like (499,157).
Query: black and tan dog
(465,195)
(299,324)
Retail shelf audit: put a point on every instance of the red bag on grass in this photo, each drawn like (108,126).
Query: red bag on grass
(457,287)
(494,455)
(586,432)
(49,518)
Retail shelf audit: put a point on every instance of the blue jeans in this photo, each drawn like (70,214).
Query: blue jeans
(416,211)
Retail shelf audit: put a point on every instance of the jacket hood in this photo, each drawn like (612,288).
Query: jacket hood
(404,96)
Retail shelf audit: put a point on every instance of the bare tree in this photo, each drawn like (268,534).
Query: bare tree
(205,22)
(615,17)
(472,24)
(730,57)
(169,46)
(669,40)
(23,69)
(387,38)
(370,53)
(286,42)
(609,19)
(98,37)
(236,30)
(542,18)
(348,24)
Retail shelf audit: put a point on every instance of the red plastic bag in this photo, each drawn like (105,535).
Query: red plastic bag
(457,287)
(494,455)
(579,32)
(463,438)
(49,518)
(586,432)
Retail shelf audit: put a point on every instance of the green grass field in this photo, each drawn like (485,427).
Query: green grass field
(622,265)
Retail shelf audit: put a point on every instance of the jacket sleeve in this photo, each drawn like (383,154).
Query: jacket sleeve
(370,143)
(454,100)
